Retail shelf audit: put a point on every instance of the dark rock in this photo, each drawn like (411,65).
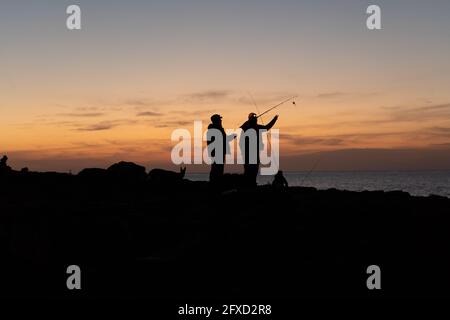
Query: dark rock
(166,177)
(249,243)
(127,172)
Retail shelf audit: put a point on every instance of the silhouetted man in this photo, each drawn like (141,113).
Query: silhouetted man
(251,146)
(218,164)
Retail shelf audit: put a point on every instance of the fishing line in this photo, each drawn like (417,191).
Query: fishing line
(269,136)
(310,171)
(278,105)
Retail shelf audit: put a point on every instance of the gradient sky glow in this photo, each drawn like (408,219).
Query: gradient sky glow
(139,69)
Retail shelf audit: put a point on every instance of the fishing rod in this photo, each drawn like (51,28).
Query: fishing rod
(278,105)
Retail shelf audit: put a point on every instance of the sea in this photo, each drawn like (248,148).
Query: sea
(417,183)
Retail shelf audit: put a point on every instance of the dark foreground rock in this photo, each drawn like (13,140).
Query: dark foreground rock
(136,239)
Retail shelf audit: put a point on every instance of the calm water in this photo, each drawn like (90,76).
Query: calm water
(420,183)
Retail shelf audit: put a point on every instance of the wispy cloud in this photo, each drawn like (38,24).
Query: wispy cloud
(311,140)
(213,96)
(425,136)
(82,115)
(143,102)
(330,95)
(419,114)
(105,125)
(437,132)
(339,139)
(193,112)
(149,114)
(210,94)
(356,159)
(173,124)
(444,130)
(98,127)
(445,106)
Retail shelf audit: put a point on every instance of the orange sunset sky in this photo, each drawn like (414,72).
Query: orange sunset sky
(115,90)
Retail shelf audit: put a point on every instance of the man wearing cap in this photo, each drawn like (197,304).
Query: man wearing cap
(216,129)
(248,145)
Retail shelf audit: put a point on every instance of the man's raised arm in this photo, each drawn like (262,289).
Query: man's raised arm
(270,124)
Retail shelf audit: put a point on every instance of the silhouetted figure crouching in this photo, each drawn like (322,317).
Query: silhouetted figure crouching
(280,182)
(4,168)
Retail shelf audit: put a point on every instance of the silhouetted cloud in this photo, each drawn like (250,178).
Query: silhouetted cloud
(142,102)
(210,94)
(445,106)
(173,124)
(444,130)
(441,145)
(149,114)
(98,127)
(302,140)
(396,114)
(105,125)
(194,112)
(207,96)
(427,136)
(340,139)
(87,109)
(330,95)
(83,144)
(372,159)
(418,114)
(82,115)
(436,132)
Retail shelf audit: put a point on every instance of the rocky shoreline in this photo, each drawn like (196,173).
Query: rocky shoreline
(134,238)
